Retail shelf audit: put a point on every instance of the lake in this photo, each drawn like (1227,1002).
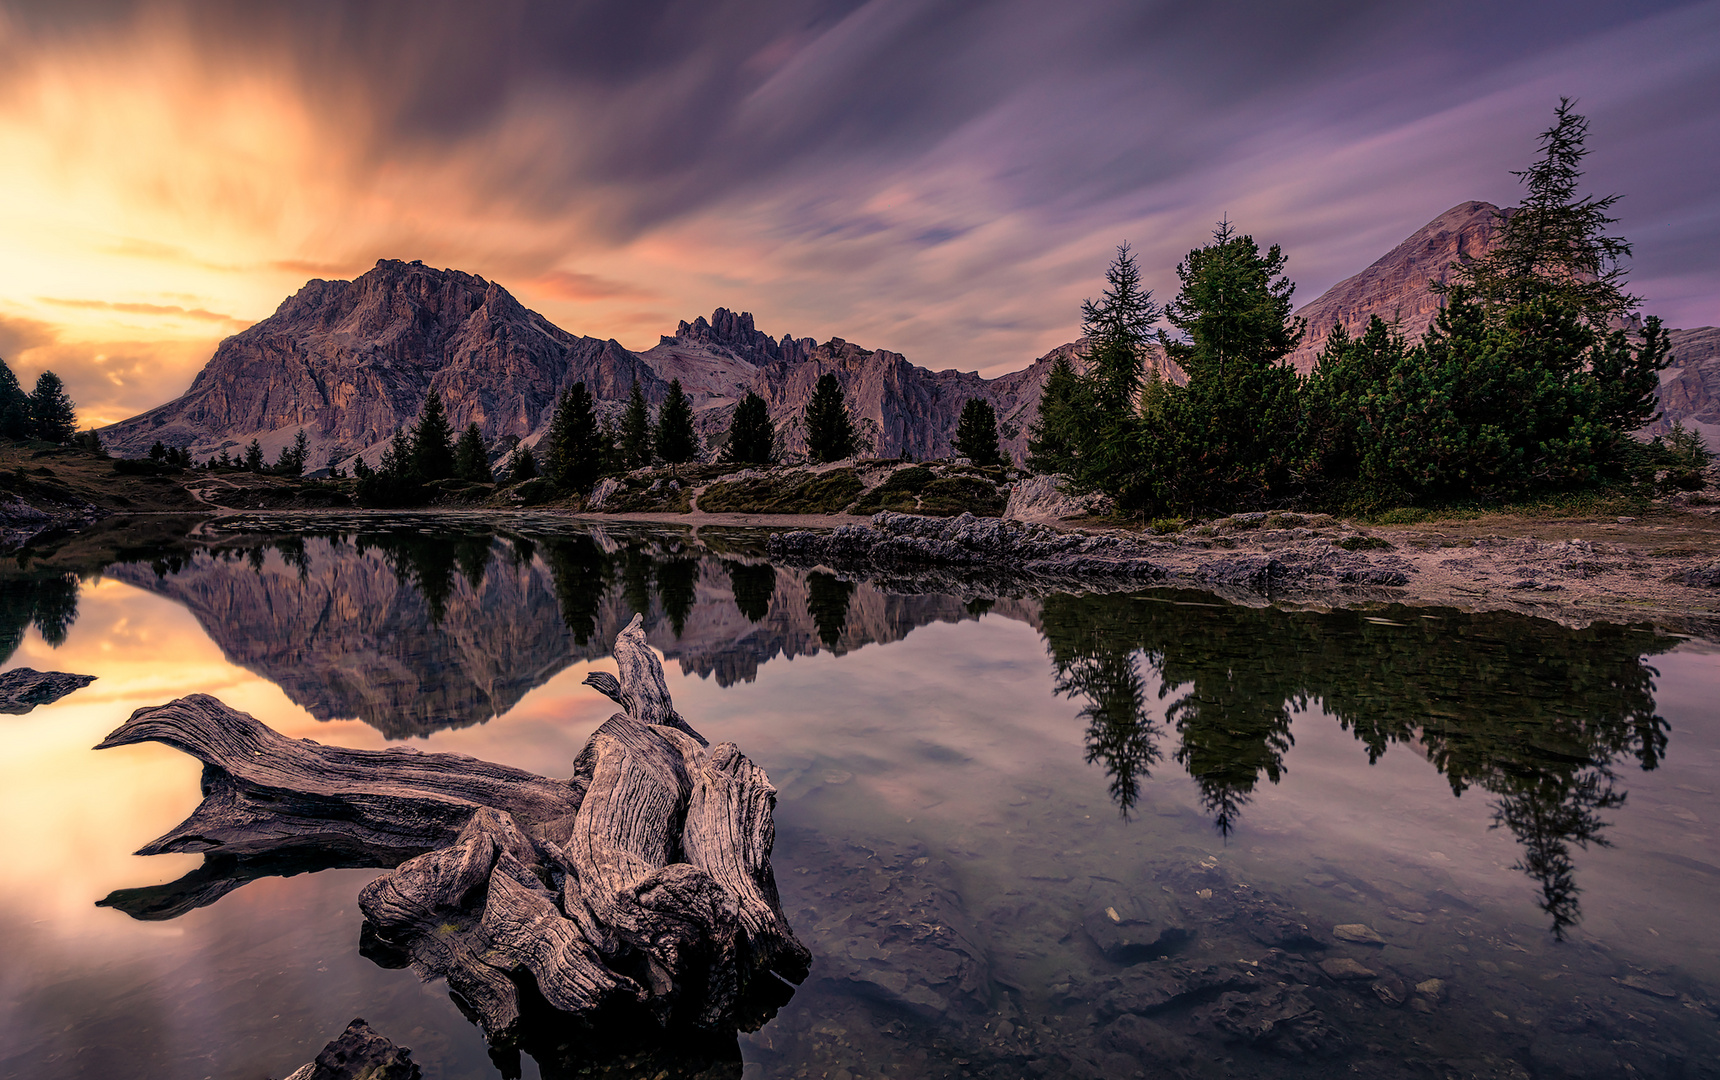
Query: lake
(1105,835)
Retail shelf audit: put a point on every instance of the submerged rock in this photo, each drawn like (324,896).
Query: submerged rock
(1358,934)
(22,689)
(1130,931)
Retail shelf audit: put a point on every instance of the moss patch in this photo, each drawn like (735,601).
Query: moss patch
(784,493)
(918,490)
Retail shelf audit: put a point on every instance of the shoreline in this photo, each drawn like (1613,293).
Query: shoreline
(1570,570)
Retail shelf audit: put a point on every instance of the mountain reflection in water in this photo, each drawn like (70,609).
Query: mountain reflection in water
(414,628)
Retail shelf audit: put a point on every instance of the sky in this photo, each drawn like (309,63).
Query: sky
(944,179)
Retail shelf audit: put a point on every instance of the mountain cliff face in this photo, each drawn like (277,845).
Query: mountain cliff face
(352,361)
(1399,285)
(1690,385)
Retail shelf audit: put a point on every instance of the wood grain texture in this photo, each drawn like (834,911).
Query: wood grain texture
(637,892)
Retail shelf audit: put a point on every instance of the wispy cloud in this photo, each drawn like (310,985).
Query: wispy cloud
(940,178)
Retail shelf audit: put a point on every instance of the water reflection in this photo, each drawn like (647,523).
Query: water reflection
(1537,715)
(415,626)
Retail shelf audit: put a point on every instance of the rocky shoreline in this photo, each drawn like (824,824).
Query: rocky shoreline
(1278,558)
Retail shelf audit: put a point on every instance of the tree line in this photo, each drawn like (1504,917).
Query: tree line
(1523,385)
(45,413)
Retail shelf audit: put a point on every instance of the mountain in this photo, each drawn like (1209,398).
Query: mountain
(352,361)
(1399,285)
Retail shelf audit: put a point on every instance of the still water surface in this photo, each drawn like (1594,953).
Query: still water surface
(1095,836)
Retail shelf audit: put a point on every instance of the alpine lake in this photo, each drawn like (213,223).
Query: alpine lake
(1149,834)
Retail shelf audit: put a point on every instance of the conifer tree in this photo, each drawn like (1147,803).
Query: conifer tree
(14,406)
(677,443)
(522,465)
(1062,421)
(433,441)
(752,437)
(1116,327)
(158,452)
(1229,437)
(976,433)
(575,460)
(830,433)
(292,459)
(254,456)
(636,430)
(471,460)
(1555,246)
(53,416)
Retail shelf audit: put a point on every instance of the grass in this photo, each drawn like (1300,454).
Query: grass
(786,493)
(918,490)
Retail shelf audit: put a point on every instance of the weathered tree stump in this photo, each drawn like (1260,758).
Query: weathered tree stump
(638,891)
(22,689)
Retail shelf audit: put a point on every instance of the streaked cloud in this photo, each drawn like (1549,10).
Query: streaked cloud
(947,179)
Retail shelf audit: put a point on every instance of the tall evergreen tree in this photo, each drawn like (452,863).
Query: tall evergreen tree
(53,416)
(976,433)
(636,430)
(830,432)
(522,465)
(752,437)
(14,406)
(471,460)
(1229,437)
(1556,246)
(677,443)
(1062,422)
(292,459)
(1117,327)
(575,458)
(433,441)
(254,456)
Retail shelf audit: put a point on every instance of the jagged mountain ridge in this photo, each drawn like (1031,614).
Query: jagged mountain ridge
(352,361)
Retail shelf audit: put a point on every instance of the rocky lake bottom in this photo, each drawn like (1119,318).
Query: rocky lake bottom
(1023,833)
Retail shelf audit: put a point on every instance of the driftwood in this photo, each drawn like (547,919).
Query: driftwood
(22,689)
(639,891)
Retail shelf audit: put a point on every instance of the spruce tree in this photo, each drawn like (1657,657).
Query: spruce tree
(158,452)
(292,459)
(10,392)
(254,456)
(976,433)
(53,416)
(1116,327)
(575,459)
(1556,245)
(752,437)
(830,433)
(1229,438)
(522,465)
(433,441)
(676,441)
(471,460)
(1062,422)
(636,430)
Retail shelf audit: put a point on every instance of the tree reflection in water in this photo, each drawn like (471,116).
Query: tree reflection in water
(1536,714)
(49,600)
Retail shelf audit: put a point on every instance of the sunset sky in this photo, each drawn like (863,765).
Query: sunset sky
(943,179)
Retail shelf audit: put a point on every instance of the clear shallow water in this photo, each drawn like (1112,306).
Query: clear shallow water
(952,837)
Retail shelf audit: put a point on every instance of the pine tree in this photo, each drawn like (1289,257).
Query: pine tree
(254,456)
(1116,327)
(292,459)
(976,433)
(752,437)
(10,392)
(1555,246)
(433,441)
(636,430)
(471,460)
(522,465)
(676,441)
(575,459)
(830,434)
(158,452)
(1229,437)
(53,416)
(1054,438)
